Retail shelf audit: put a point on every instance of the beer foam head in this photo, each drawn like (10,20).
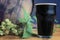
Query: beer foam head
(45,4)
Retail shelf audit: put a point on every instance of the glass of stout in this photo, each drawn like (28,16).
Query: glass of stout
(45,13)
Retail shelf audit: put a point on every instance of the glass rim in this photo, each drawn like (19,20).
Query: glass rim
(46,4)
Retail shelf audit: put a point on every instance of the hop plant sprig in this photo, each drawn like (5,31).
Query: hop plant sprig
(7,26)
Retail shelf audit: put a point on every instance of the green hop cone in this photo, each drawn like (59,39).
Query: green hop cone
(6,32)
(14,31)
(3,27)
(13,25)
(3,23)
(19,31)
(7,20)
(8,23)
(8,27)
(1,33)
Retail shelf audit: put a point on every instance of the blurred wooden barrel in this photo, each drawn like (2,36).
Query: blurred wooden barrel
(14,8)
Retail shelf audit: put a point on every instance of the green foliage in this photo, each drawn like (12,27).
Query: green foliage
(7,26)
(1,32)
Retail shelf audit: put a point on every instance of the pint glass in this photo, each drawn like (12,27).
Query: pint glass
(45,13)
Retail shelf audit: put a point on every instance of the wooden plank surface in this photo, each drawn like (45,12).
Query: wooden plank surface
(56,36)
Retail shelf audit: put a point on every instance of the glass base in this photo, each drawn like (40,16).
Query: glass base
(44,36)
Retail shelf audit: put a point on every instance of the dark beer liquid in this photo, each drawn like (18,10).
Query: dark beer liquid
(45,19)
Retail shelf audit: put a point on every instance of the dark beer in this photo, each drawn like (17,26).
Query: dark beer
(45,13)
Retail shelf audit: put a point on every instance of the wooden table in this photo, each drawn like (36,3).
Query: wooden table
(56,36)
